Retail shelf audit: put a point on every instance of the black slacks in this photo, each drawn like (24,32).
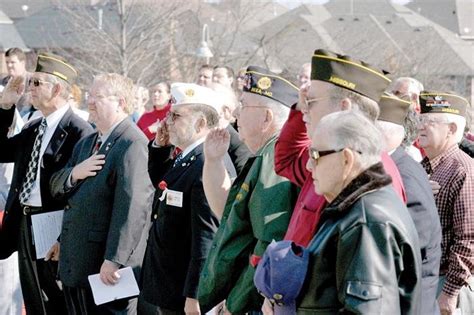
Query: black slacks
(80,301)
(41,292)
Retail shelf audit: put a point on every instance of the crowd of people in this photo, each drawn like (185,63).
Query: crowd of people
(340,192)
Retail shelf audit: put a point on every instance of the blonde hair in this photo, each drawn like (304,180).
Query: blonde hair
(119,86)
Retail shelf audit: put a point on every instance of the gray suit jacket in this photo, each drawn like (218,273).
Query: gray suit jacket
(108,215)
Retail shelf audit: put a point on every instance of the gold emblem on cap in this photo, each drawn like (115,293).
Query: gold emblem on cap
(264,83)
(189,92)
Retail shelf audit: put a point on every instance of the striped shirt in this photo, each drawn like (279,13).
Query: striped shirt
(454,172)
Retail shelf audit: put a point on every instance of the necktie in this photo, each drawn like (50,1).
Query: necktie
(97,145)
(33,164)
(178,159)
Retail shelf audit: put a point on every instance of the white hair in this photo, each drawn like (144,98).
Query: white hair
(280,111)
(352,129)
(392,133)
(227,96)
(460,123)
(414,86)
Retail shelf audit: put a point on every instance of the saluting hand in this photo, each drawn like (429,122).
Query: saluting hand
(12,92)
(88,167)
(162,137)
(303,96)
(216,144)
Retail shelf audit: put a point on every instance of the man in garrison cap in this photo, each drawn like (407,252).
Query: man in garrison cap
(420,200)
(441,128)
(40,149)
(255,209)
(183,223)
(338,82)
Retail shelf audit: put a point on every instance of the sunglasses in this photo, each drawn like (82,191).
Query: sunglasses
(36,82)
(315,155)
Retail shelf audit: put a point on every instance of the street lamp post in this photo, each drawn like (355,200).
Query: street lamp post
(204,51)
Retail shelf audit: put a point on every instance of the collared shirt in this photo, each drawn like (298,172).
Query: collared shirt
(192,146)
(52,123)
(454,172)
(105,136)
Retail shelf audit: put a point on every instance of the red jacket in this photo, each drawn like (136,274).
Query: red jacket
(291,156)
(150,118)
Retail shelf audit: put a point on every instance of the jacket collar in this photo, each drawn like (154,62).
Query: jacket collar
(114,135)
(60,134)
(175,172)
(369,180)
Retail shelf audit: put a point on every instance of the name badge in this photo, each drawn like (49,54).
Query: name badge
(174,198)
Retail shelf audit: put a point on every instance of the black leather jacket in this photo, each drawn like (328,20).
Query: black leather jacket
(365,257)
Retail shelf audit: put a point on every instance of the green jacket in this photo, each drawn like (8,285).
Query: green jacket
(257,211)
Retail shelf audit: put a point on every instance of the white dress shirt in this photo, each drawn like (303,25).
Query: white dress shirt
(52,123)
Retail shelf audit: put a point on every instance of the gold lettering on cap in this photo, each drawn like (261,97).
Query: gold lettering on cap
(450,110)
(342,82)
(259,91)
(264,83)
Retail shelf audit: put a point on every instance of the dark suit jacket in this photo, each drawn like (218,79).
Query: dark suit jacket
(180,237)
(18,149)
(108,215)
(423,210)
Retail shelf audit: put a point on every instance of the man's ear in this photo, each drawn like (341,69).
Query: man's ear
(200,124)
(453,128)
(346,104)
(348,162)
(56,89)
(269,117)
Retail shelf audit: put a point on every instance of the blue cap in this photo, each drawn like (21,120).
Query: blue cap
(281,273)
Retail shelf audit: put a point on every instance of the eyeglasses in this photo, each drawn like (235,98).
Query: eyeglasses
(313,100)
(174,116)
(242,106)
(37,82)
(315,155)
(430,120)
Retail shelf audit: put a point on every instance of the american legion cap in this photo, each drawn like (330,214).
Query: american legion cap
(190,93)
(393,109)
(442,102)
(57,66)
(280,275)
(266,83)
(345,72)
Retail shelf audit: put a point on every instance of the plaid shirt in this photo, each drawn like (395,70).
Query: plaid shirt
(454,172)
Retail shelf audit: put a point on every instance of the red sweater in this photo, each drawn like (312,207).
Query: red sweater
(150,118)
(291,156)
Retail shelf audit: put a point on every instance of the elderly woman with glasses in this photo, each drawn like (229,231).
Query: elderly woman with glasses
(365,257)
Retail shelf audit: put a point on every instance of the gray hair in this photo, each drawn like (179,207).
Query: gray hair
(209,113)
(459,121)
(280,111)
(411,127)
(391,131)
(66,88)
(414,86)
(365,105)
(352,129)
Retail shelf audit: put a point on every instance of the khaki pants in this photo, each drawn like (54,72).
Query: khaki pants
(465,297)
